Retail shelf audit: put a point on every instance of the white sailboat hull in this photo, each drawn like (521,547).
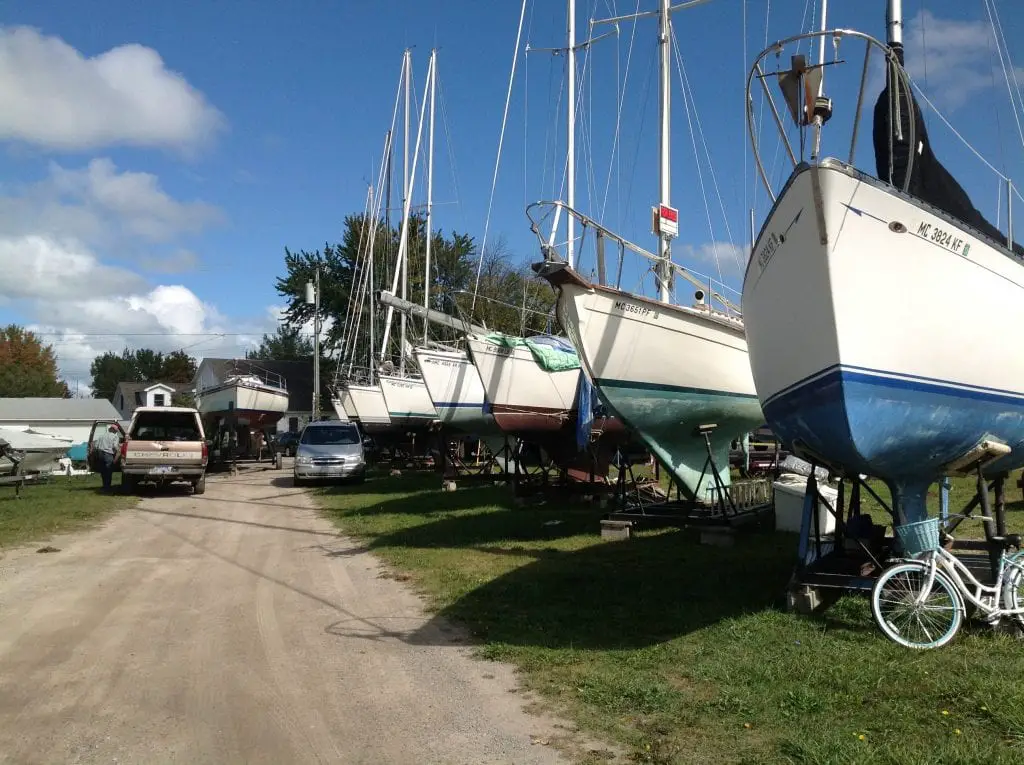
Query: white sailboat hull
(877,333)
(455,390)
(523,395)
(408,401)
(243,397)
(371,410)
(344,407)
(664,370)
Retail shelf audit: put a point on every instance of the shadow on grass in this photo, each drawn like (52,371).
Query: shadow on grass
(424,499)
(609,595)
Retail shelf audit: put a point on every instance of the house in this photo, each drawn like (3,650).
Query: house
(298,379)
(64,417)
(129,396)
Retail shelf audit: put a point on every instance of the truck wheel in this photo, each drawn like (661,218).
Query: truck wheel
(129,483)
(199,487)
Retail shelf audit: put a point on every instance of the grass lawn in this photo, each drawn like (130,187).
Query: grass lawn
(682,652)
(65,503)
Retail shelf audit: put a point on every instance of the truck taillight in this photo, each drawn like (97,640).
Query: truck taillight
(206,451)
(124,449)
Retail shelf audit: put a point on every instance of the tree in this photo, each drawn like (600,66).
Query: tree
(141,365)
(27,367)
(287,344)
(178,367)
(504,289)
(183,399)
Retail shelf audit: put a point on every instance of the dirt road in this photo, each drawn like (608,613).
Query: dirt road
(238,627)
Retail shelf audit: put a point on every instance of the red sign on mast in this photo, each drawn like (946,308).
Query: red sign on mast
(667,221)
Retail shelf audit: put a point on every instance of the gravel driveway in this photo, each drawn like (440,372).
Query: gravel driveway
(237,627)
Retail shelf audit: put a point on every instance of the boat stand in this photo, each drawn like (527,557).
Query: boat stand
(453,466)
(539,476)
(744,503)
(851,558)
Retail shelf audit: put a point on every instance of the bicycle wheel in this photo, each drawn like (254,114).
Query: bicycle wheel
(1013,585)
(929,624)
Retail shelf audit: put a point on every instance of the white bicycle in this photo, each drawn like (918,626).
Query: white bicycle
(920,601)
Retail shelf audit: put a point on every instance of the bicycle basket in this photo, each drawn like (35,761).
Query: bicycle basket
(919,537)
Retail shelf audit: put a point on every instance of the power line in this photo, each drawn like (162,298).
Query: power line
(71,334)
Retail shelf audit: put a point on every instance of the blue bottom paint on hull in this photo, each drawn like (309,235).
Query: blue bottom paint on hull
(665,417)
(901,430)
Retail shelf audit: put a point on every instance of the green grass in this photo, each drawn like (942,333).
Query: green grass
(65,503)
(681,652)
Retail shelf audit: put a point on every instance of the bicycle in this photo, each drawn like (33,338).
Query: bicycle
(931,587)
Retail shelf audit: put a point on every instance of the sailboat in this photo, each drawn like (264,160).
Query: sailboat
(866,355)
(670,372)
(408,402)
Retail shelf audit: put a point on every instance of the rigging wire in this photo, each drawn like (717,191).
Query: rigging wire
(997,34)
(497,160)
(616,154)
(689,122)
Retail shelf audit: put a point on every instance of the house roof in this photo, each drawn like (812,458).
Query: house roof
(130,388)
(298,378)
(69,409)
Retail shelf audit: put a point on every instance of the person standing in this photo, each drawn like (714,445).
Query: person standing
(106,445)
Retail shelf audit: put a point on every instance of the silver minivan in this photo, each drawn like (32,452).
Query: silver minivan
(329,449)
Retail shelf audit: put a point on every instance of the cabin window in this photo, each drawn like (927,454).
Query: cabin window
(158,399)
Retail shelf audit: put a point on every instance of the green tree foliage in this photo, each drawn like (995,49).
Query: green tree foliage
(287,344)
(141,365)
(183,399)
(505,289)
(178,367)
(27,367)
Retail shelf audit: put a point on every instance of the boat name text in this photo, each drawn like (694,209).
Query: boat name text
(640,310)
(943,238)
(764,255)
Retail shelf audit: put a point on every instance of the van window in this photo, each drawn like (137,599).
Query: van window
(330,435)
(166,426)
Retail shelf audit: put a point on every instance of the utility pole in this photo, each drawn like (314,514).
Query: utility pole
(313,298)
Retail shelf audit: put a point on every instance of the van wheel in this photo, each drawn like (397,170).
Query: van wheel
(199,487)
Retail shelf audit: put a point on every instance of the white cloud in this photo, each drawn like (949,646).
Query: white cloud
(103,207)
(164,318)
(712,256)
(56,98)
(40,268)
(950,59)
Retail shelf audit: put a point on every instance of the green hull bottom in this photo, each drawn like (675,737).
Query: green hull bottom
(666,420)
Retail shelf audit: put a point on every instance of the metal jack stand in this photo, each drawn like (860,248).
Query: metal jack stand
(731,506)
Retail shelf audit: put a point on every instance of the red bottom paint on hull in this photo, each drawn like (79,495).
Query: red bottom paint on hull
(554,430)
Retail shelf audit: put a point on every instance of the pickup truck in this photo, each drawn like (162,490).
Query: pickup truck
(165,444)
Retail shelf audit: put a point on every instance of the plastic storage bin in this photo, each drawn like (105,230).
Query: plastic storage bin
(789,505)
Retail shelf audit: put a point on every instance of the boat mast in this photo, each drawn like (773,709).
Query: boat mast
(664,269)
(571,132)
(894,27)
(430,190)
(405,197)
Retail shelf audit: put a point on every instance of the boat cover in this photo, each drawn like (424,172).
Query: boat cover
(552,353)
(930,181)
(24,440)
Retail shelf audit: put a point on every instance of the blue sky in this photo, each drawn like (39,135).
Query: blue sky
(153,187)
